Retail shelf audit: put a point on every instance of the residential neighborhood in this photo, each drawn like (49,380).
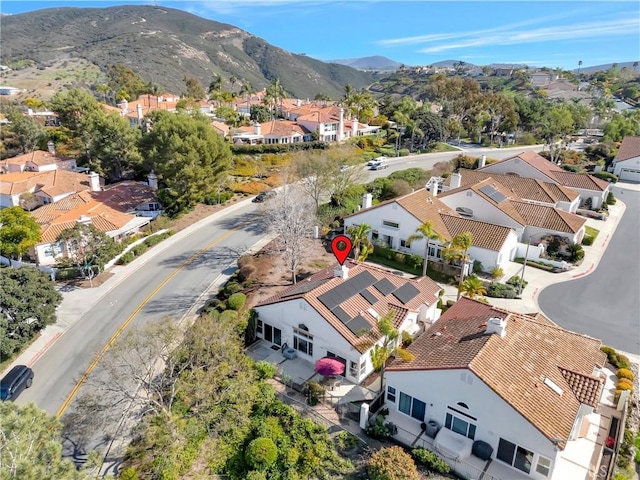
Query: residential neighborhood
(224,274)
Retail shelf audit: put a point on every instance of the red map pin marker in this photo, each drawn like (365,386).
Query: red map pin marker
(341,246)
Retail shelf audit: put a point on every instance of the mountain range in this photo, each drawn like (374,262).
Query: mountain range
(164,45)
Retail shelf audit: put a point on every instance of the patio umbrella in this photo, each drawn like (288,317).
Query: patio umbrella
(329,367)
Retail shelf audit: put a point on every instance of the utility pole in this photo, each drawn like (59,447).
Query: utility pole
(524,265)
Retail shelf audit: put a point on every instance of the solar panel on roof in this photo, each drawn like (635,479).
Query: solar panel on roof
(341,314)
(369,297)
(358,325)
(346,290)
(492,193)
(406,292)
(304,288)
(384,286)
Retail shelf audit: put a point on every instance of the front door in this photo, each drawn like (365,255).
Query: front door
(272,334)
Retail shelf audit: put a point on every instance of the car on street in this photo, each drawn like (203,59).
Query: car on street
(380,165)
(263,196)
(376,160)
(14,382)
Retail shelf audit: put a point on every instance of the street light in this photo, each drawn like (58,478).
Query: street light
(524,265)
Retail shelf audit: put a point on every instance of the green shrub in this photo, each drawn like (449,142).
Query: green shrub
(477,266)
(625,373)
(126,258)
(515,281)
(606,176)
(501,290)
(314,392)
(261,453)
(430,460)
(236,301)
(256,475)
(377,428)
(407,339)
(622,361)
(611,199)
(576,251)
(128,473)
(497,272)
(588,240)
(346,440)
(215,198)
(392,463)
(266,369)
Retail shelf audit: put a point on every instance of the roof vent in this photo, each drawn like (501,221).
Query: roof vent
(341,271)
(552,385)
(496,325)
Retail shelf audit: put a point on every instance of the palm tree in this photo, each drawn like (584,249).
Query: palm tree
(579,67)
(391,345)
(472,287)
(426,232)
(362,246)
(458,251)
(246,89)
(274,95)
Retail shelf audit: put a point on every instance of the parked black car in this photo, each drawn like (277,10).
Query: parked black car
(262,196)
(14,382)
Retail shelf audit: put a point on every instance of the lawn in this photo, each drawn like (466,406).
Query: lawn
(591,232)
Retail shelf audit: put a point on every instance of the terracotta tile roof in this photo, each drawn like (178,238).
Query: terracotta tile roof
(126,196)
(38,157)
(357,305)
(322,115)
(65,181)
(282,128)
(525,188)
(548,217)
(222,127)
(56,217)
(586,388)
(52,182)
(630,148)
(485,235)
(18,182)
(580,180)
(514,367)
(426,208)
(555,173)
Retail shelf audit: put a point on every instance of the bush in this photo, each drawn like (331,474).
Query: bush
(430,460)
(261,453)
(377,428)
(588,240)
(497,272)
(246,273)
(624,384)
(606,176)
(515,281)
(576,251)
(622,361)
(392,463)
(501,290)
(625,373)
(407,339)
(314,392)
(128,473)
(266,369)
(611,199)
(346,440)
(416,177)
(126,258)
(218,199)
(245,260)
(236,301)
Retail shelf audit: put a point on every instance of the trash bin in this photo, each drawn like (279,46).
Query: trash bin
(432,429)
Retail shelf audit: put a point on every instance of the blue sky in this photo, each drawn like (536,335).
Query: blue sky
(541,33)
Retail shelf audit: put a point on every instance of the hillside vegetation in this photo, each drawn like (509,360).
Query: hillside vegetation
(164,45)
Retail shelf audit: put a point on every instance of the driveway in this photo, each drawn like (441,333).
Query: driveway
(606,303)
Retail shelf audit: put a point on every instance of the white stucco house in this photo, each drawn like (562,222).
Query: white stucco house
(394,221)
(333,312)
(510,394)
(531,165)
(626,164)
(489,201)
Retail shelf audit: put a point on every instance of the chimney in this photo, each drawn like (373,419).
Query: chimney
(482,161)
(367,200)
(496,325)
(354,128)
(152,180)
(299,103)
(139,107)
(85,220)
(456,180)
(434,188)
(257,129)
(94,181)
(341,271)
(341,125)
(51,147)
(124,105)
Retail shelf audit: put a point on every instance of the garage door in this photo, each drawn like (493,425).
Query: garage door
(630,175)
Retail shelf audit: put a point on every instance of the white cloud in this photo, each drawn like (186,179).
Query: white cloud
(625,26)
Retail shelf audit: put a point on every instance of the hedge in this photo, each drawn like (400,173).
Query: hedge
(605,176)
(533,263)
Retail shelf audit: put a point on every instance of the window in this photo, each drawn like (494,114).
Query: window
(460,423)
(543,466)
(387,223)
(516,456)
(303,340)
(259,327)
(363,367)
(374,235)
(353,369)
(412,406)
(404,243)
(391,394)
(53,250)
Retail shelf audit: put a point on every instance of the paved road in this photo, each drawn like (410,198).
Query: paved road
(606,303)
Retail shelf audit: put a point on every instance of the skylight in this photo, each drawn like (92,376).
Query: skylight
(552,385)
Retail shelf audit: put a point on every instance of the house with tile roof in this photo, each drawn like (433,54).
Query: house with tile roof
(528,189)
(513,395)
(334,313)
(531,165)
(392,222)
(274,132)
(491,202)
(626,164)
(80,207)
(37,161)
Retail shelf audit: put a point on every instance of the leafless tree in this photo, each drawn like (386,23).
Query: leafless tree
(291,217)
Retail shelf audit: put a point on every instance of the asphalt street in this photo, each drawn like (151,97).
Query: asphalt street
(606,303)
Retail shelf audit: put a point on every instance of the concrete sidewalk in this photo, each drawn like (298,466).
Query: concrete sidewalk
(77,302)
